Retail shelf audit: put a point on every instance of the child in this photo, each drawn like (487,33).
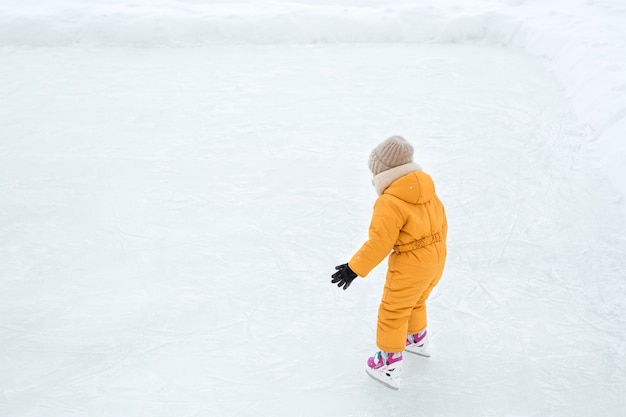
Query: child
(409,220)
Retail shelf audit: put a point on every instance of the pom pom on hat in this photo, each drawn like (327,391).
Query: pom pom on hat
(393,152)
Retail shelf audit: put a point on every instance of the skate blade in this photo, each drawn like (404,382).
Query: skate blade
(383,379)
(418,350)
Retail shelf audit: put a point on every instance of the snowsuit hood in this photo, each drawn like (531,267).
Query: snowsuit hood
(416,187)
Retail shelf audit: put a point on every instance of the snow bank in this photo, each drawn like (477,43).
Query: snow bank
(582,41)
(180,24)
(585,48)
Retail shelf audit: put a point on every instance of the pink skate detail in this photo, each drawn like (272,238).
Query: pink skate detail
(415,338)
(375,362)
(393,358)
(381,359)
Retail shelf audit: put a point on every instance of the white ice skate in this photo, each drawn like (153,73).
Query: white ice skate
(386,368)
(418,344)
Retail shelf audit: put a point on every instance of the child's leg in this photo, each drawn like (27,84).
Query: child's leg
(418,317)
(392,327)
(400,296)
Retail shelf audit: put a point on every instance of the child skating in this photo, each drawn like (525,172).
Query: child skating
(409,224)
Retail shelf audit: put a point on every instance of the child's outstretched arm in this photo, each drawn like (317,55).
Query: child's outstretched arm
(384,229)
(387,221)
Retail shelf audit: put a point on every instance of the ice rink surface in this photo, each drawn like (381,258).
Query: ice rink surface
(170,218)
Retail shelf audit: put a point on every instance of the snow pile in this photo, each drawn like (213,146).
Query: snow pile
(585,48)
(175,24)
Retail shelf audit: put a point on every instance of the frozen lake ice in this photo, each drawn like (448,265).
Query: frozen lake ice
(171,218)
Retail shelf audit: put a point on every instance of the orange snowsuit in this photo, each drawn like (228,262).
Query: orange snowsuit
(409,219)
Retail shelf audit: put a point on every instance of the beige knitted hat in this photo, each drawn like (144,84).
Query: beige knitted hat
(393,152)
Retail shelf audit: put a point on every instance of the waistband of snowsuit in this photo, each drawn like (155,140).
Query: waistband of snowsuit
(418,244)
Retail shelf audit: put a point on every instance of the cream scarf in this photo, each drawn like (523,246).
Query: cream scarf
(385,178)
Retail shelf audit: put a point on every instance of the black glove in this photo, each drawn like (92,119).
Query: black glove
(343,276)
